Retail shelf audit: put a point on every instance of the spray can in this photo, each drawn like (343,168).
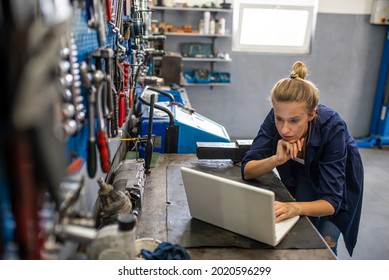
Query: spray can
(207,19)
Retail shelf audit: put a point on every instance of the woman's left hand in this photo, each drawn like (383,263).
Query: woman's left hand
(284,210)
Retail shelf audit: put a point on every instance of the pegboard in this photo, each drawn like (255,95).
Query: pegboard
(86,40)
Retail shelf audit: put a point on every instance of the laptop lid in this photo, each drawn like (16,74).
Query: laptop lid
(232,205)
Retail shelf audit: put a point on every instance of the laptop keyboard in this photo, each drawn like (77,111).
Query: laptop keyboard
(278,226)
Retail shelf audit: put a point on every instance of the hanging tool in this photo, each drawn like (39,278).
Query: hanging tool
(91,80)
(126,72)
(102,139)
(122,108)
(119,15)
(112,117)
(108,9)
(97,20)
(91,150)
(149,140)
(119,101)
(123,93)
(109,96)
(117,25)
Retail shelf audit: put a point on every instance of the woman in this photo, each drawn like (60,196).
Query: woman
(316,157)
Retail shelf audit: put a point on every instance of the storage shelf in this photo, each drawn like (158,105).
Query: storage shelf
(197,59)
(195,34)
(214,10)
(171,12)
(206,59)
(204,84)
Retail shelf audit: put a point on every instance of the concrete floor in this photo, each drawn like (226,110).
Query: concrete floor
(373,239)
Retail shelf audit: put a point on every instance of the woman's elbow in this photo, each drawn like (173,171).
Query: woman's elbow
(247,174)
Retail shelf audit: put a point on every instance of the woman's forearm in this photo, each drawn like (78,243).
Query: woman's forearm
(256,168)
(317,208)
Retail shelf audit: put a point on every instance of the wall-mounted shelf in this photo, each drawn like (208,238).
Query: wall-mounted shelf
(176,17)
(195,34)
(205,84)
(198,59)
(206,59)
(212,10)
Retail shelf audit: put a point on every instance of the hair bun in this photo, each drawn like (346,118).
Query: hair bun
(299,70)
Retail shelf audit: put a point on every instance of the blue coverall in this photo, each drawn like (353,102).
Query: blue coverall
(332,164)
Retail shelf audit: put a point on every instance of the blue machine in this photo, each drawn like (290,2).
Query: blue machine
(191,127)
(175,93)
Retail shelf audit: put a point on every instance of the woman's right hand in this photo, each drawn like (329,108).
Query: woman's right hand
(287,150)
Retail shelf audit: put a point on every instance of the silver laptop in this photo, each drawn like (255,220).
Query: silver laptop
(234,206)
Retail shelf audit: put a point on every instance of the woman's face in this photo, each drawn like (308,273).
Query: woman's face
(291,120)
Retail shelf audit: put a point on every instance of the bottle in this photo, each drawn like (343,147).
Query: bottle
(207,19)
(126,228)
(201,26)
(222,26)
(217,26)
(212,26)
(116,241)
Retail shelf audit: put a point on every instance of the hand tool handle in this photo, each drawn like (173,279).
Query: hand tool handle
(149,143)
(104,151)
(126,72)
(130,98)
(92,166)
(122,108)
(108,6)
(115,114)
(75,166)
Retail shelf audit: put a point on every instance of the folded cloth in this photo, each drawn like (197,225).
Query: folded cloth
(166,251)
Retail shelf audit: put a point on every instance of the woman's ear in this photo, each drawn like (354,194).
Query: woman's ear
(312,115)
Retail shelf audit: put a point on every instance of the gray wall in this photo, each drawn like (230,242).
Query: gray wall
(344,63)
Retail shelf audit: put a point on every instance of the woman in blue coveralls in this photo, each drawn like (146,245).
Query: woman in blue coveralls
(316,157)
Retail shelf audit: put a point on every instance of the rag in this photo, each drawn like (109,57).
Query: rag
(166,251)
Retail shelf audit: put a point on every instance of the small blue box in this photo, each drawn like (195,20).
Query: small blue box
(220,77)
(189,76)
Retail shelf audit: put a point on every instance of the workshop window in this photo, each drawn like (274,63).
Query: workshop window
(274,26)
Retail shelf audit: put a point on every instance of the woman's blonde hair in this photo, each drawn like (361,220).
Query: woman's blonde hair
(296,89)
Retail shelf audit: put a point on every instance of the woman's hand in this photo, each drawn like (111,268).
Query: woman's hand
(315,208)
(287,150)
(284,210)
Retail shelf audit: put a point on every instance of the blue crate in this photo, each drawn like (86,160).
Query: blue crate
(220,77)
(189,77)
(225,77)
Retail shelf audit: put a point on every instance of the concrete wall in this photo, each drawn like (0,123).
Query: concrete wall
(344,64)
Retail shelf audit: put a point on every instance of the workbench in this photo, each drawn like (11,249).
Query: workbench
(157,221)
